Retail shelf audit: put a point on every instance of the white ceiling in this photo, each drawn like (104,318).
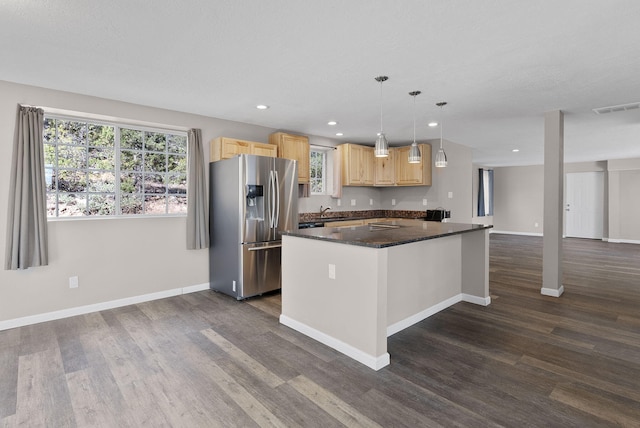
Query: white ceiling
(500,64)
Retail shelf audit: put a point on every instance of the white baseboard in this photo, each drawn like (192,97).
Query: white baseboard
(552,291)
(622,241)
(504,232)
(81,310)
(422,315)
(476,300)
(373,362)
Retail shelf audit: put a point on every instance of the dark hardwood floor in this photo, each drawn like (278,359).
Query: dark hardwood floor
(205,360)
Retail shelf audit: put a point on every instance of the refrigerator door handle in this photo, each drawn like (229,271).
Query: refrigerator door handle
(266,247)
(277,186)
(271,200)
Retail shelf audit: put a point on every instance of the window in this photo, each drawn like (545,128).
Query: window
(318,168)
(105,169)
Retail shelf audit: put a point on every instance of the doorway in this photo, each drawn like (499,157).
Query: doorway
(584,206)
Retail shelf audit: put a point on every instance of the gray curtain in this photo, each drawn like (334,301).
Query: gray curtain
(27,243)
(197,203)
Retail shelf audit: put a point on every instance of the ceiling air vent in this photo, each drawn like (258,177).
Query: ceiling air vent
(612,109)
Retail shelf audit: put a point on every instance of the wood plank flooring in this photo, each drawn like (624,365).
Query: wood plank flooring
(205,360)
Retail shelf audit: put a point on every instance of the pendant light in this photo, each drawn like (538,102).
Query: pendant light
(382,145)
(414,151)
(441,157)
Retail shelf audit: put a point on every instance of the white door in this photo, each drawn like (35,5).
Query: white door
(584,207)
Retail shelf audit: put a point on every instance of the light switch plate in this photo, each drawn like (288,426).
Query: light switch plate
(450,195)
(332,271)
(339,202)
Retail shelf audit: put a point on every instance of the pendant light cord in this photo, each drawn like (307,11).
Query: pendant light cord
(441,126)
(414,118)
(381,106)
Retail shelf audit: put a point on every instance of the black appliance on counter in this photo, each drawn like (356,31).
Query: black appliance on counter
(437,215)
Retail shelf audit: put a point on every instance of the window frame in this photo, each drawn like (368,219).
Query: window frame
(117,125)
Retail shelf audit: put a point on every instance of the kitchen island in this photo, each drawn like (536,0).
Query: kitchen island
(350,288)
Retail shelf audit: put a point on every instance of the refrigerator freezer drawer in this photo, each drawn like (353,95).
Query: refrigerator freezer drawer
(261,270)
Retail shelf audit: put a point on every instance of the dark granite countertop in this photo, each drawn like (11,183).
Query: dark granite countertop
(386,233)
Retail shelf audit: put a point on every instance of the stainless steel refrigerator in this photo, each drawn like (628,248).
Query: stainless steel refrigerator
(252,199)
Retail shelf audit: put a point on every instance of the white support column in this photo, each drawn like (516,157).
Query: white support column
(553,204)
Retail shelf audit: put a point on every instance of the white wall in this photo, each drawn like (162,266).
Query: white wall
(518,197)
(624,204)
(113,258)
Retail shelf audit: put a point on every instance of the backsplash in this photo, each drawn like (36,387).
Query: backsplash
(305,217)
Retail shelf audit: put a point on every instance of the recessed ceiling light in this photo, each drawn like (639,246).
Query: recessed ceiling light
(332,123)
(433,124)
(339,134)
(515,150)
(262,107)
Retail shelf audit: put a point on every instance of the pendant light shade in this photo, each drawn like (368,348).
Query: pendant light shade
(382,145)
(414,151)
(441,156)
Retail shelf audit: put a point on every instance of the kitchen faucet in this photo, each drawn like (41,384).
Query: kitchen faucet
(323,210)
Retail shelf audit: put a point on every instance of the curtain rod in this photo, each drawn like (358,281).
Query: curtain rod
(320,145)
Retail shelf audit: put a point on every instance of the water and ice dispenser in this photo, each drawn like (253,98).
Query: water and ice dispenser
(255,202)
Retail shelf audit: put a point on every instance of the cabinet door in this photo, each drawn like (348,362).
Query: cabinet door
(344,223)
(351,172)
(367,165)
(297,147)
(231,148)
(413,174)
(294,147)
(357,165)
(264,150)
(385,170)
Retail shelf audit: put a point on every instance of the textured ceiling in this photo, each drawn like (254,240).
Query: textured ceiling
(499,64)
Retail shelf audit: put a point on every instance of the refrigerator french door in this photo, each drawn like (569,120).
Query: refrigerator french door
(252,199)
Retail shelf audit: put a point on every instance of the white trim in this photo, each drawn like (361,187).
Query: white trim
(514,233)
(375,363)
(476,300)
(552,291)
(622,241)
(81,310)
(416,318)
(422,315)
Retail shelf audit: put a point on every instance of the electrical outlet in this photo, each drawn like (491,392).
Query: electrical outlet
(73,282)
(371,202)
(535,224)
(393,202)
(450,195)
(424,202)
(339,203)
(353,202)
(332,271)
(234,286)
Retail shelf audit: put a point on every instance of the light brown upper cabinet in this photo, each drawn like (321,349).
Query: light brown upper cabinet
(357,165)
(385,170)
(225,148)
(294,147)
(413,174)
